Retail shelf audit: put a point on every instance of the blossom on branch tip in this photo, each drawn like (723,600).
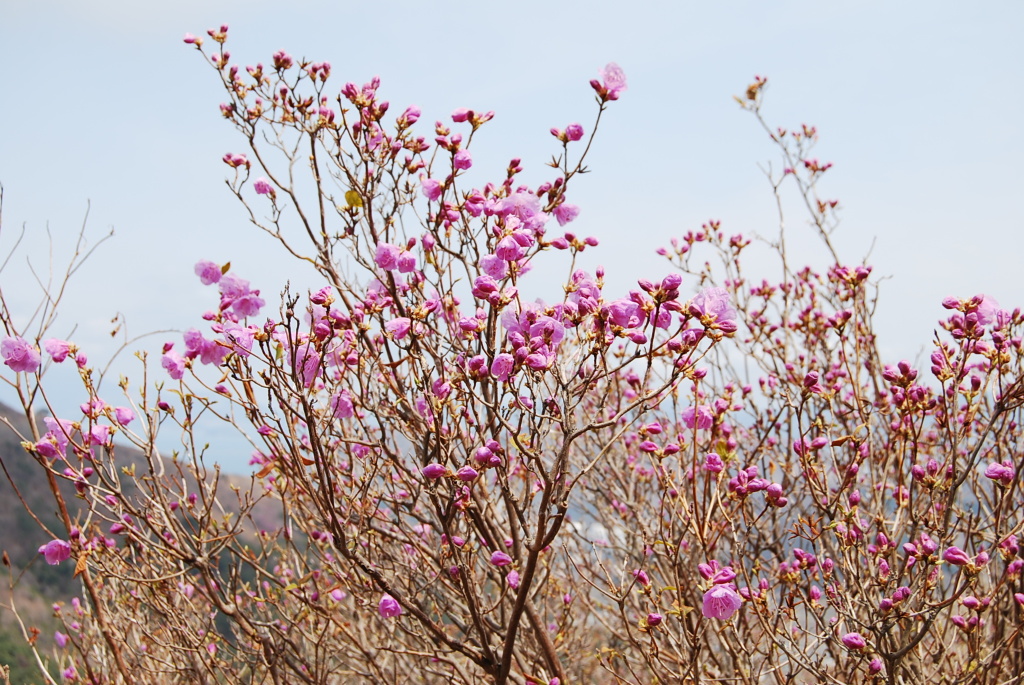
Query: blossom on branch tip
(56,551)
(20,355)
(714,309)
(174,364)
(854,641)
(208,272)
(956,556)
(262,187)
(434,471)
(389,607)
(398,328)
(721,602)
(501,559)
(612,83)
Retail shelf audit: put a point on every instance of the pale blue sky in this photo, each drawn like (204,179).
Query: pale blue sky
(919,105)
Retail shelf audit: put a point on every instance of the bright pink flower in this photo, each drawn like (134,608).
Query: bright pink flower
(434,471)
(410,116)
(654,619)
(956,556)
(61,639)
(713,463)
(513,579)
(20,355)
(389,607)
(501,559)
(57,349)
(56,551)
(1003,473)
(573,132)
(467,473)
(854,641)
(503,366)
(721,602)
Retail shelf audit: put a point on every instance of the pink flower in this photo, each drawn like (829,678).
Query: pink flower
(61,639)
(513,579)
(573,132)
(956,556)
(501,559)
(466,473)
(565,212)
(988,310)
(123,415)
(434,471)
(700,417)
(432,189)
(462,160)
(387,256)
(262,187)
(20,355)
(713,307)
(57,349)
(341,405)
(389,607)
(398,328)
(508,249)
(721,602)
(174,363)
(654,619)
(613,77)
(55,551)
(410,116)
(854,641)
(502,366)
(1003,473)
(623,312)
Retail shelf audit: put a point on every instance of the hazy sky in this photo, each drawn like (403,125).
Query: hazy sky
(919,106)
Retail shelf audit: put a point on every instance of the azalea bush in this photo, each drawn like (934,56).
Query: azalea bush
(713,476)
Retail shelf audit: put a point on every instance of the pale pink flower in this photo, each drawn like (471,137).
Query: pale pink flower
(387,256)
(20,355)
(721,602)
(57,349)
(174,363)
(715,310)
(613,80)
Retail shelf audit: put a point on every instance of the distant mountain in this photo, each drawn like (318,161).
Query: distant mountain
(37,585)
